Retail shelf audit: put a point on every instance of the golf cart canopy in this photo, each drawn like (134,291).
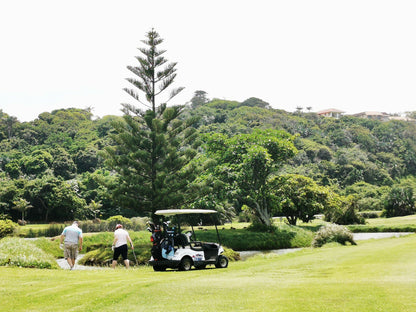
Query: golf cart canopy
(172,212)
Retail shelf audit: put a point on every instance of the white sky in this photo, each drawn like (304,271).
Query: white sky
(355,55)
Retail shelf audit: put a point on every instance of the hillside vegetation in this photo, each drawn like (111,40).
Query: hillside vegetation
(55,162)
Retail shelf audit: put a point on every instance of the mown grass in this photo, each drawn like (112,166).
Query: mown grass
(396,224)
(396,221)
(376,275)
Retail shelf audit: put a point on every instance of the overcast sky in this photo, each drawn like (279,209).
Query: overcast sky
(356,55)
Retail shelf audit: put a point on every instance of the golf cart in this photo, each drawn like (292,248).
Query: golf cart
(176,250)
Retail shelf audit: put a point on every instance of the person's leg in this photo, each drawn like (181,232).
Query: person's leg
(70,262)
(68,255)
(73,263)
(116,254)
(124,250)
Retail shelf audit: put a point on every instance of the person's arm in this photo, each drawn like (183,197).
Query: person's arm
(114,242)
(80,240)
(131,243)
(62,238)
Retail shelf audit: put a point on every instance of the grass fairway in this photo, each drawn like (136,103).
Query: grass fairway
(375,275)
(393,221)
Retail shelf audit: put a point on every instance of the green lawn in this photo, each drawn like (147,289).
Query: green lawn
(393,221)
(376,275)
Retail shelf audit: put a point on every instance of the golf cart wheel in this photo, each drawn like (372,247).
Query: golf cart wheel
(222,262)
(159,268)
(186,264)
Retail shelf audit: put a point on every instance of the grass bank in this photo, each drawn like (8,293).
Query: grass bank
(376,275)
(396,224)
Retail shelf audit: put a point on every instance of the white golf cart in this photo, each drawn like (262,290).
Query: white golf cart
(176,250)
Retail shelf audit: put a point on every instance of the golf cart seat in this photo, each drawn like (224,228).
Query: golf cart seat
(197,246)
(210,249)
(181,240)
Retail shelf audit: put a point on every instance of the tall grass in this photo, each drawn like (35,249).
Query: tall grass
(41,230)
(22,253)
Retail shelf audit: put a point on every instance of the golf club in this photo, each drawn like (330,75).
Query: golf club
(134,254)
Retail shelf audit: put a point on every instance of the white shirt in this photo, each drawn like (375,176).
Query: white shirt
(121,236)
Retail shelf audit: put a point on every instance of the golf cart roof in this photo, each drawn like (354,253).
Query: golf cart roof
(171,212)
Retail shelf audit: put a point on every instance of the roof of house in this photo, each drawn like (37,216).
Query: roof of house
(330,110)
(404,118)
(371,114)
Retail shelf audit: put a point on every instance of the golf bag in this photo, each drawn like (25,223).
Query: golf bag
(156,239)
(163,242)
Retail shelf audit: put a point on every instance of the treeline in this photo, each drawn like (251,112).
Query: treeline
(55,169)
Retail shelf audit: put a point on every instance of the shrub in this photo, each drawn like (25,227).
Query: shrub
(139,224)
(370,214)
(231,254)
(4,216)
(346,213)
(114,220)
(7,227)
(333,233)
(400,202)
(96,225)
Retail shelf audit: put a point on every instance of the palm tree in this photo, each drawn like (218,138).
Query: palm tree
(22,205)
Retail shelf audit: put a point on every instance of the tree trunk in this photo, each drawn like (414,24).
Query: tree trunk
(263,214)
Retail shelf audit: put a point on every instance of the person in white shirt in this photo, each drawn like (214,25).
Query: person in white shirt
(121,237)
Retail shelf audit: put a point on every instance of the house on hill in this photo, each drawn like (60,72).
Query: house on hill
(402,118)
(331,112)
(373,115)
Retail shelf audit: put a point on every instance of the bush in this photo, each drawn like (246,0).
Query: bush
(22,253)
(370,214)
(231,254)
(345,213)
(333,233)
(92,226)
(139,224)
(114,220)
(400,202)
(7,227)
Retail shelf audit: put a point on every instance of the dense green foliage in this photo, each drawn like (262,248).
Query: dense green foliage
(7,227)
(54,162)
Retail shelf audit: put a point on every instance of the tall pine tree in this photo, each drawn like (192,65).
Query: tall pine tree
(153,147)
